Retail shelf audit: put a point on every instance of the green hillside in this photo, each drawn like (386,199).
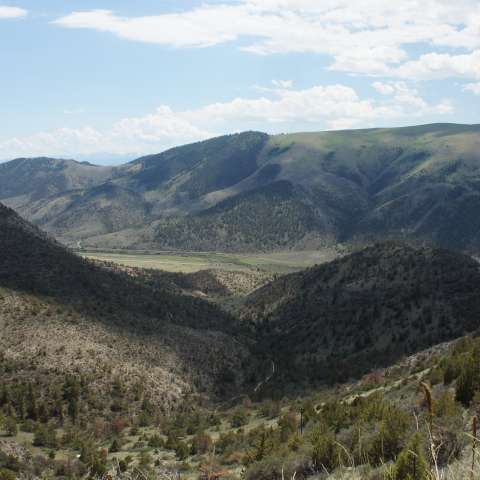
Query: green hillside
(254,192)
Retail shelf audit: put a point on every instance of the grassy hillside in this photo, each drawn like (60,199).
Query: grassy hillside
(25,180)
(406,183)
(200,168)
(254,192)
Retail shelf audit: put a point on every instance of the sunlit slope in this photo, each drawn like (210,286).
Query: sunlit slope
(253,192)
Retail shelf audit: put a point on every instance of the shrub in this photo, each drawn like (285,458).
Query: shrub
(239,417)
(10,425)
(270,409)
(288,424)
(45,436)
(155,441)
(182,451)
(411,463)
(98,468)
(326,454)
(122,466)
(144,460)
(467,383)
(436,376)
(115,446)
(390,436)
(202,443)
(271,468)
(263,446)
(7,474)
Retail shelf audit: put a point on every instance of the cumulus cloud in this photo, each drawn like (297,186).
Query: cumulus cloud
(366,36)
(320,107)
(11,12)
(135,135)
(437,66)
(403,94)
(163,127)
(316,105)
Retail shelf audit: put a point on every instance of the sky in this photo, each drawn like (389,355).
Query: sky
(110,80)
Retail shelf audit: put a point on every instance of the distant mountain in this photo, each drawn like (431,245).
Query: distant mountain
(365,310)
(27,180)
(254,192)
(51,298)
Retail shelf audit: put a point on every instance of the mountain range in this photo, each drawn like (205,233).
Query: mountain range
(254,192)
(112,369)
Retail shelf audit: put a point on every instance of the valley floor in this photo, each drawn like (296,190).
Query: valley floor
(188,262)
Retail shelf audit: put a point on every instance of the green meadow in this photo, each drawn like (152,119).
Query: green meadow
(186,262)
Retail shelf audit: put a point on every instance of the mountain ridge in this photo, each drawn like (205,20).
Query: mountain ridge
(50,296)
(352,186)
(369,308)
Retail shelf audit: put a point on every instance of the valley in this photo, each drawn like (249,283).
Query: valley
(188,262)
(174,318)
(239,240)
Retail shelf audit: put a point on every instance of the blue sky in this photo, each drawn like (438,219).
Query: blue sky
(109,80)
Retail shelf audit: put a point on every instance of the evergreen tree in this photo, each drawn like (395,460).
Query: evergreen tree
(411,463)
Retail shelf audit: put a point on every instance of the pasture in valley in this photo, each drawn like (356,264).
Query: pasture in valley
(188,262)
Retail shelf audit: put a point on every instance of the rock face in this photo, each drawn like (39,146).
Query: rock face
(254,192)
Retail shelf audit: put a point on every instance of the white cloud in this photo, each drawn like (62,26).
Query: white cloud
(472,87)
(282,83)
(11,12)
(198,28)
(403,94)
(320,107)
(366,36)
(436,65)
(384,88)
(164,127)
(157,131)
